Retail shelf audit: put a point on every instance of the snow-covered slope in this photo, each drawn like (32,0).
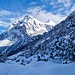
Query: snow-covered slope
(57,44)
(38,68)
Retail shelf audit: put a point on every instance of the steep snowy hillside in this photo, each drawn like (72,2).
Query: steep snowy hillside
(57,44)
(20,33)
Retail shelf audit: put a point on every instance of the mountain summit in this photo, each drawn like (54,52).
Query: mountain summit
(33,26)
(50,22)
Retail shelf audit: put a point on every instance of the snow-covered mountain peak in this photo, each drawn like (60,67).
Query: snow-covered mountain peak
(32,25)
(26,17)
(21,31)
(50,22)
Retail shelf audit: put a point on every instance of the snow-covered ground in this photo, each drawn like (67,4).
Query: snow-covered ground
(37,68)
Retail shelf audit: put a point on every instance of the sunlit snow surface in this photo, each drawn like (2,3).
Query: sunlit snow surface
(6,42)
(37,68)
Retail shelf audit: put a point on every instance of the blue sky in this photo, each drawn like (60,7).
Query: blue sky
(56,10)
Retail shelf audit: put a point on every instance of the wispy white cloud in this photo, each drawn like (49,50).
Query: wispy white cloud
(5,12)
(32,3)
(62,5)
(8,17)
(45,1)
(66,3)
(59,10)
(44,15)
(4,24)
